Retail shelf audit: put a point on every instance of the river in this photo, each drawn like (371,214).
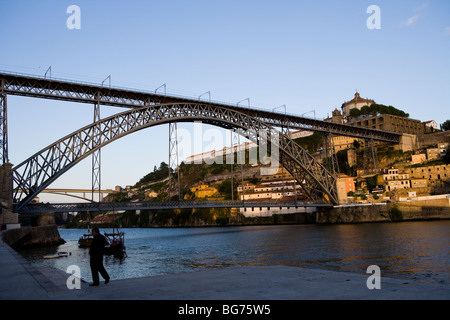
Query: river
(408,250)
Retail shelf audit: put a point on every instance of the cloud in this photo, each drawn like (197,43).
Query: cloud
(447,31)
(421,7)
(411,20)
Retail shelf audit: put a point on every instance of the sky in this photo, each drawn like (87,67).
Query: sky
(309,56)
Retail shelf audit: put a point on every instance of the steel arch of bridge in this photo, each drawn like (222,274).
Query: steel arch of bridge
(37,172)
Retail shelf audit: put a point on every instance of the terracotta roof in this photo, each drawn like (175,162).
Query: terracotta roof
(357,98)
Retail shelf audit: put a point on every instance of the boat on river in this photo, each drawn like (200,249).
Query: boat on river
(85,240)
(114,242)
(58,255)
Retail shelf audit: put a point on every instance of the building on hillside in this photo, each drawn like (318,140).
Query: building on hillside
(344,185)
(210,156)
(348,182)
(443,148)
(339,143)
(431,173)
(433,153)
(393,174)
(203,191)
(248,187)
(104,219)
(385,122)
(394,179)
(418,158)
(397,184)
(152,194)
(336,117)
(419,183)
(344,142)
(431,126)
(357,102)
(389,122)
(300,134)
(279,174)
(280,185)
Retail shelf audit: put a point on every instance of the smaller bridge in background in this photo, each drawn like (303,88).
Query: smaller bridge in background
(84,194)
(139,205)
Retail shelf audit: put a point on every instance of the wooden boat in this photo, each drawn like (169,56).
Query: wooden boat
(85,240)
(115,243)
(51,256)
(58,255)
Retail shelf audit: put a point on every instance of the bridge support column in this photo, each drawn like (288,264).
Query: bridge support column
(173,160)
(3,126)
(8,219)
(97,156)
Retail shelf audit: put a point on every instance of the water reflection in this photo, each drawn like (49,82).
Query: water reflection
(410,250)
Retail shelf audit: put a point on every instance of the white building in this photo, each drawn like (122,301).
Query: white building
(211,155)
(269,211)
(300,134)
(431,124)
(394,180)
(357,102)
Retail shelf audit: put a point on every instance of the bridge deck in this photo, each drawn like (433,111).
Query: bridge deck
(38,87)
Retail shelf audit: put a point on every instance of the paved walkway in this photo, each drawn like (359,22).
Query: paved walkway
(20,280)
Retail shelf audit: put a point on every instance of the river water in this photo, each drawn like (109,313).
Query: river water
(407,250)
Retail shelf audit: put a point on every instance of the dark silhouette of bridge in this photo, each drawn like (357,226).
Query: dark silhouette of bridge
(147,109)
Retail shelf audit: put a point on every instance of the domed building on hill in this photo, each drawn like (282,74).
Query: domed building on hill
(356,102)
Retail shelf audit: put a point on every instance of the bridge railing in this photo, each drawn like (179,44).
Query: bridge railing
(139,90)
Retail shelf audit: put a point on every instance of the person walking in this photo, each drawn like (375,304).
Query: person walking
(96,252)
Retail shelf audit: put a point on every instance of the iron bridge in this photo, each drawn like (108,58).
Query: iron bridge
(148,109)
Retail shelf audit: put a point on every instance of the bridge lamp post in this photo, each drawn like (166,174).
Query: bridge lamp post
(163,85)
(309,112)
(49,69)
(208,93)
(248,99)
(108,77)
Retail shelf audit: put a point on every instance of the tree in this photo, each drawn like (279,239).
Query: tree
(376,109)
(355,113)
(446,125)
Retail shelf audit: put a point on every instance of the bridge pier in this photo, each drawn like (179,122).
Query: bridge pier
(8,219)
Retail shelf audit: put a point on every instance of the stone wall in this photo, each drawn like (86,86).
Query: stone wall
(26,237)
(6,215)
(423,212)
(426,140)
(353,214)
(381,213)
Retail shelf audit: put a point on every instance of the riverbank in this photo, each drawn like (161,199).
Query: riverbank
(22,281)
(343,214)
